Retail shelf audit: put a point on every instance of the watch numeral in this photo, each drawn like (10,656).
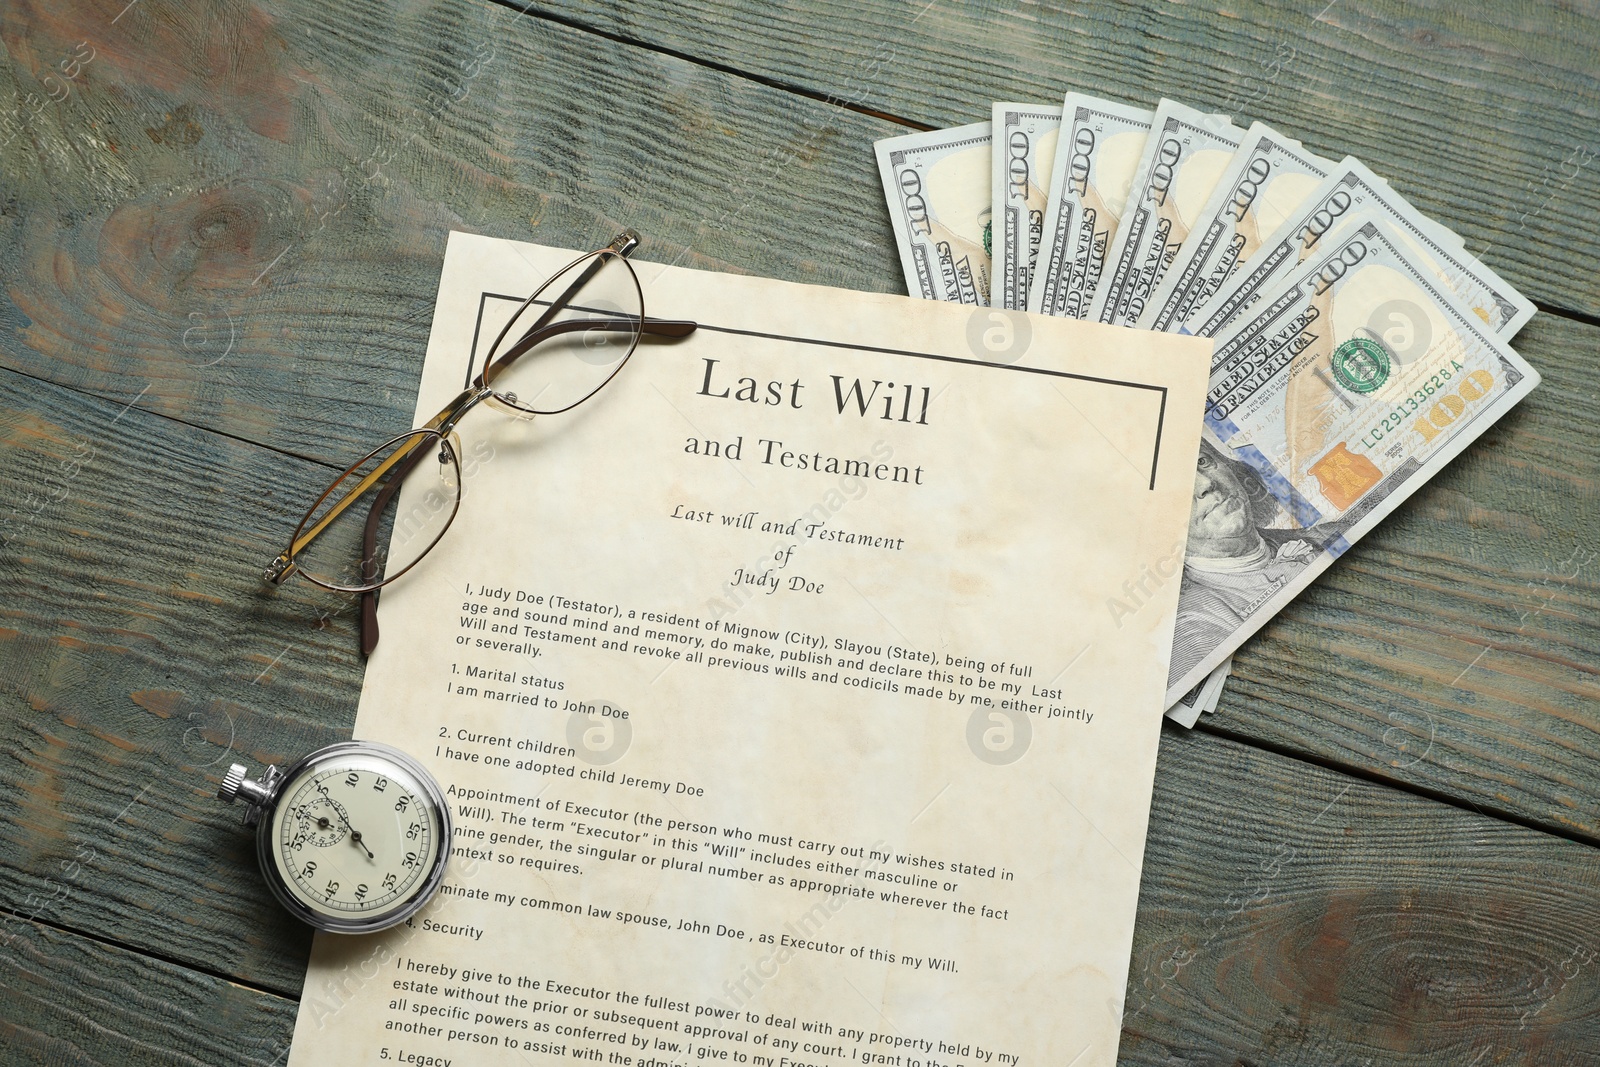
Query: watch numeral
(413,831)
(311,868)
(351,779)
(411,859)
(381,784)
(333,887)
(389,880)
(400,805)
(361,891)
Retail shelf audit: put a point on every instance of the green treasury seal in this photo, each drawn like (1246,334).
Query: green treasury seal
(1360,365)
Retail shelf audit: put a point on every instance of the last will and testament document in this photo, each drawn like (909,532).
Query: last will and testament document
(797,699)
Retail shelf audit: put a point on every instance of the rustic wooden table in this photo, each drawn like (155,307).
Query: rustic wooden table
(221,227)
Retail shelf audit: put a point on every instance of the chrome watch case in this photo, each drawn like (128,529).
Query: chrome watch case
(261,797)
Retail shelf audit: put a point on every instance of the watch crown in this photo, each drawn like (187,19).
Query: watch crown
(231,783)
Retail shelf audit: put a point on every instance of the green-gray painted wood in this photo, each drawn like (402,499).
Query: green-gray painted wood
(1291,915)
(131,678)
(144,284)
(139,655)
(283,177)
(1485,115)
(69,1000)
(144,214)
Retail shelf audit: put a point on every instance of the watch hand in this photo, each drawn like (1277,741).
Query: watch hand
(355,835)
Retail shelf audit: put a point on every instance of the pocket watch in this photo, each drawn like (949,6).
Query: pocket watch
(352,838)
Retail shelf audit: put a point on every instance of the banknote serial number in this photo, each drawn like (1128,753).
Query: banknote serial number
(1441,399)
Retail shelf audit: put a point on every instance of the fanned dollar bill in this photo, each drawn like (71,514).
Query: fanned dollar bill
(1211,688)
(1098,151)
(937,186)
(1183,159)
(1202,699)
(1186,710)
(1268,178)
(1024,154)
(1319,423)
(1350,189)
(1360,346)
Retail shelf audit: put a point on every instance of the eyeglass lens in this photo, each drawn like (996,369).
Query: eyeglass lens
(550,358)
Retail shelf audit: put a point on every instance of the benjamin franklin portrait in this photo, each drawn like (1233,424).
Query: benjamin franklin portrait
(1241,552)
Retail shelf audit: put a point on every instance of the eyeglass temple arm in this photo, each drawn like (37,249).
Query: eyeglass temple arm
(622,244)
(670,327)
(353,494)
(660,327)
(653,327)
(369,542)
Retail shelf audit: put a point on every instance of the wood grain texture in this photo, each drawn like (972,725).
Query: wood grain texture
(234,219)
(1296,917)
(269,269)
(69,1000)
(1485,115)
(139,655)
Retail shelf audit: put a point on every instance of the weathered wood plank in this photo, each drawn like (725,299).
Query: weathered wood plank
(1304,939)
(70,1000)
(1484,115)
(1299,917)
(244,207)
(138,648)
(139,654)
(107,289)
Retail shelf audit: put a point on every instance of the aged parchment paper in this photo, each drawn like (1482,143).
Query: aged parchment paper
(881,788)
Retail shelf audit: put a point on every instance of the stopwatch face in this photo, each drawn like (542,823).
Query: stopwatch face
(358,838)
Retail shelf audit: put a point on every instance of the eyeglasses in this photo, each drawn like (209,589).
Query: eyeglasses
(586,322)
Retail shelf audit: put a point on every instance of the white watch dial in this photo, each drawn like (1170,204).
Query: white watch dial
(354,837)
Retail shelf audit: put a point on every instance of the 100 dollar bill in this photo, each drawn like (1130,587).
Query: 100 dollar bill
(1097,153)
(1024,154)
(1318,425)
(1202,699)
(1269,177)
(1184,157)
(937,186)
(1349,190)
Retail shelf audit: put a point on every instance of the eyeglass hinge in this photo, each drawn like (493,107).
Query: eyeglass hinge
(624,243)
(279,569)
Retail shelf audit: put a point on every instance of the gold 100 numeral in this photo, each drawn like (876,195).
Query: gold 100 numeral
(1451,406)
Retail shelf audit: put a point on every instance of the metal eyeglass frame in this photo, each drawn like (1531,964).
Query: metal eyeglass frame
(413,445)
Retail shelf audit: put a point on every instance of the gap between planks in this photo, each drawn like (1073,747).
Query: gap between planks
(145,951)
(709,64)
(1423,792)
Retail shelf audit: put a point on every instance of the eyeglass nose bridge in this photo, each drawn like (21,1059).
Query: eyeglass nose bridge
(465,401)
(508,404)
